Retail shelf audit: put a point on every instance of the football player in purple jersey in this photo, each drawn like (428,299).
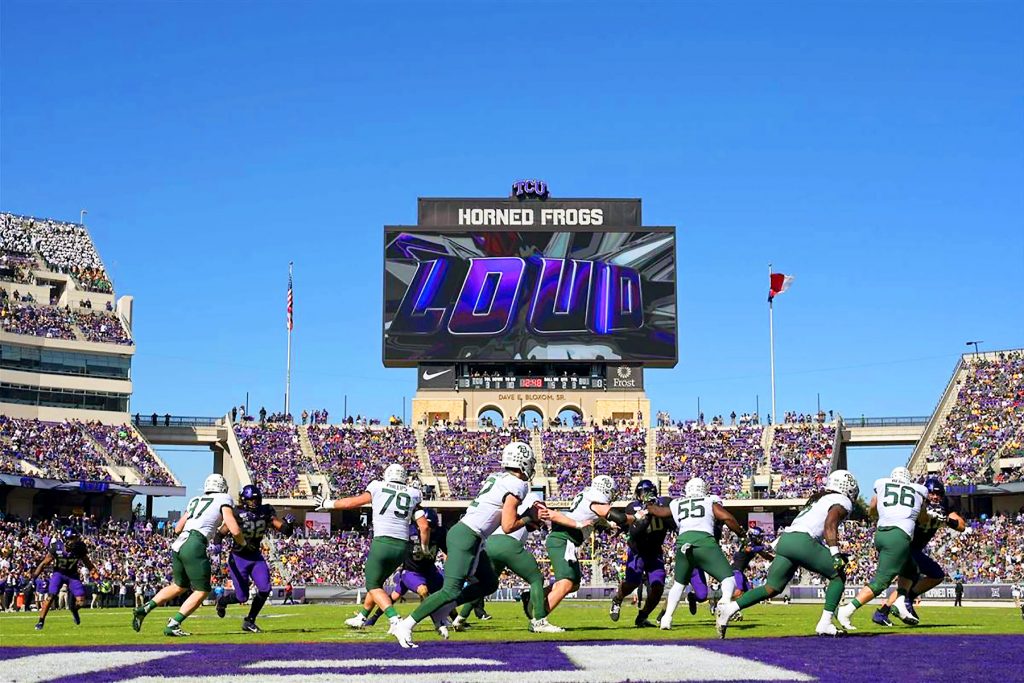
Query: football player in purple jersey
(246,565)
(67,553)
(645,557)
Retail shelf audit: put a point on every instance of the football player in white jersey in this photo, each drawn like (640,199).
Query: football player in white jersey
(395,505)
(496,505)
(695,514)
(191,566)
(800,545)
(899,504)
(569,530)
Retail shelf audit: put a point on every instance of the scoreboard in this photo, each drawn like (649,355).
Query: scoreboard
(536,280)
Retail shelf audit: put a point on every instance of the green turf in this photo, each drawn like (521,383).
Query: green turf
(584,621)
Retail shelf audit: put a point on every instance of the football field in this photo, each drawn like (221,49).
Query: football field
(304,643)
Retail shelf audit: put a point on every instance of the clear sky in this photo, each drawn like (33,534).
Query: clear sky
(876,151)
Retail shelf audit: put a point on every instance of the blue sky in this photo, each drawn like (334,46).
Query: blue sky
(876,151)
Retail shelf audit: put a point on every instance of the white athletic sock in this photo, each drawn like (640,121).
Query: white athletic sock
(675,594)
(409,622)
(826,617)
(728,588)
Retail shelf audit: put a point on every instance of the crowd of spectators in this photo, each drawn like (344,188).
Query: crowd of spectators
(273,457)
(987,415)
(68,451)
(53,322)
(66,247)
(801,455)
(725,457)
(467,457)
(352,457)
(17,268)
(54,450)
(619,453)
(339,559)
(126,448)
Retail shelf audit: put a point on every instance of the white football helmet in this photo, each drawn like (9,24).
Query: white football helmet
(901,474)
(843,481)
(604,484)
(519,456)
(696,488)
(396,473)
(215,483)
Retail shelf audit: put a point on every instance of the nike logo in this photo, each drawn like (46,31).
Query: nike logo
(427,375)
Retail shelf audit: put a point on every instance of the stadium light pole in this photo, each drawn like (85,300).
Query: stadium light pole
(975,344)
(81,216)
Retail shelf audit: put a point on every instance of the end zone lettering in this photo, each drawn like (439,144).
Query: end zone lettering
(528,217)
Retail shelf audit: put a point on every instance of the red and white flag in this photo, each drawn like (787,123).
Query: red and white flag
(778,284)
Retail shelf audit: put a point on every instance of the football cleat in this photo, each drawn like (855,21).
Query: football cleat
(222,610)
(691,601)
(881,619)
(458,624)
(356,622)
(905,614)
(642,622)
(615,610)
(175,631)
(664,622)
(827,630)
(913,611)
(138,614)
(843,615)
(725,612)
(524,598)
(39,626)
(485,617)
(543,626)
(250,626)
(442,630)
(77,618)
(402,633)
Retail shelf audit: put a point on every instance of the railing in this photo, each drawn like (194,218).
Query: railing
(143,420)
(919,421)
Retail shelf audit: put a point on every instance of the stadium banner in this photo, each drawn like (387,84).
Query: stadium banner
(318,521)
(541,214)
(624,378)
(945,591)
(436,377)
(456,296)
(765,520)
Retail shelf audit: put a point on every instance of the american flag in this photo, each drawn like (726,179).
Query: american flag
(291,300)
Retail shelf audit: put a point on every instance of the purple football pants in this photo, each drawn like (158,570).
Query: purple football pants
(247,571)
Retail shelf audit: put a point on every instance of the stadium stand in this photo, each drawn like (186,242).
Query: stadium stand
(985,420)
(467,457)
(726,457)
(65,248)
(619,453)
(353,456)
(274,458)
(72,451)
(801,458)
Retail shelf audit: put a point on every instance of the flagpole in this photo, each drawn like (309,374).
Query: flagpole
(771,339)
(288,366)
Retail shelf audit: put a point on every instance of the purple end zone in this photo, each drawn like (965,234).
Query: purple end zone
(853,659)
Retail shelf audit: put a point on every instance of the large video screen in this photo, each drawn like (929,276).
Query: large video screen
(463,296)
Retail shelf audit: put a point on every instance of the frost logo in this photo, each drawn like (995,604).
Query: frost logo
(624,378)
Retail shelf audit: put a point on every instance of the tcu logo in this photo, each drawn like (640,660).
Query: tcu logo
(570,296)
(532,188)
